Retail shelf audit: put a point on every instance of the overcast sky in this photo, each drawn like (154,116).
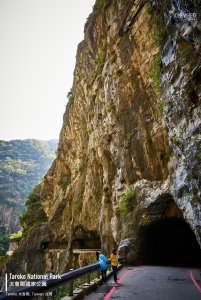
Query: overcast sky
(38,40)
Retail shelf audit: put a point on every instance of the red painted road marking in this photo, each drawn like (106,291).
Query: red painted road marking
(107,297)
(194,281)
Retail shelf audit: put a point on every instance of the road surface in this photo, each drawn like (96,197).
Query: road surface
(151,283)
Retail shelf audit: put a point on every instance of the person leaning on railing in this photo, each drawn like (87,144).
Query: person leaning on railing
(103,267)
(114,264)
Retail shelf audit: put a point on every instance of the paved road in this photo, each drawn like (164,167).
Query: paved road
(151,283)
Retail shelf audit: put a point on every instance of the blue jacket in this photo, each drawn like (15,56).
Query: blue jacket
(103,262)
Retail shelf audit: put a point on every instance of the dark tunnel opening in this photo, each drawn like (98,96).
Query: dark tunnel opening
(44,245)
(169,241)
(90,243)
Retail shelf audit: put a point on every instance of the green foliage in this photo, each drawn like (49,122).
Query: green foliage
(101,55)
(61,292)
(64,182)
(26,150)
(199,155)
(64,290)
(184,53)
(149,8)
(128,139)
(124,206)
(100,4)
(114,4)
(175,138)
(35,215)
(160,31)
(101,59)
(90,129)
(78,206)
(2,258)
(4,241)
(22,164)
(32,198)
(108,108)
(155,74)
(31,227)
(16,235)
(166,154)
(159,109)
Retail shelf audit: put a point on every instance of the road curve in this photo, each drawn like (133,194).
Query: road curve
(151,283)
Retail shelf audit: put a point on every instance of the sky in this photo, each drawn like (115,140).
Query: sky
(39,40)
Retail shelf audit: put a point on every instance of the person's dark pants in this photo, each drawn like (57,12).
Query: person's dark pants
(114,269)
(104,276)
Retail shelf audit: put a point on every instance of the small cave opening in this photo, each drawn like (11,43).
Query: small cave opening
(85,239)
(169,241)
(44,245)
(87,243)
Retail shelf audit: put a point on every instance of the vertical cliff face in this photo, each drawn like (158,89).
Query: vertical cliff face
(129,149)
(112,135)
(180,78)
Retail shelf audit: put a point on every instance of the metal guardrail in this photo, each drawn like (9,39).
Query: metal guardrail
(52,284)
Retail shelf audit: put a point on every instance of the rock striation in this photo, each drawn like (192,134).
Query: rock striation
(129,150)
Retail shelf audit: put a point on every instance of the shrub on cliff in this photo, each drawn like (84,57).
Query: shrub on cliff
(35,215)
(4,242)
(125,204)
(100,4)
(16,235)
(155,74)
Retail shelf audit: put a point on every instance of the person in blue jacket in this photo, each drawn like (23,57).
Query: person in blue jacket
(103,267)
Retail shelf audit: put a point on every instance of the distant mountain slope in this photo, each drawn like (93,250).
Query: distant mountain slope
(22,164)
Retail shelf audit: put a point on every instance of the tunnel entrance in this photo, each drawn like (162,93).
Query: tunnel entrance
(169,241)
(44,245)
(90,243)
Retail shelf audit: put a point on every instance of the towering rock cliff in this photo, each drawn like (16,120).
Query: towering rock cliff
(128,164)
